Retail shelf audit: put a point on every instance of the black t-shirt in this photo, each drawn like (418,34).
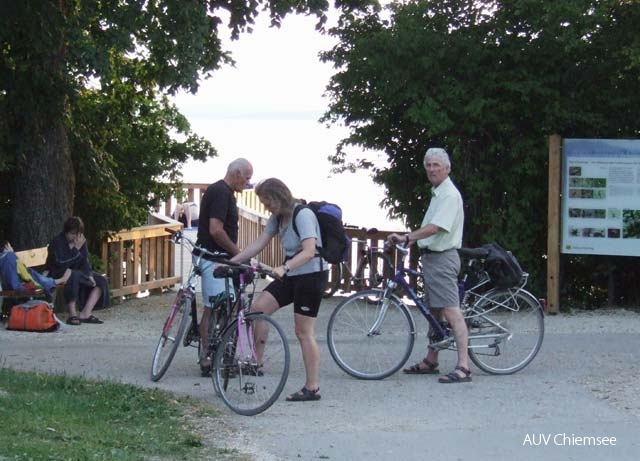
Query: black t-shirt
(218,202)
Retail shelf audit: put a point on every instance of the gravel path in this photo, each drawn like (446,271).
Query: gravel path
(583,382)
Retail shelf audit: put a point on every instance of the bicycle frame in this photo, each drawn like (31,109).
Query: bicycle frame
(399,278)
(188,290)
(244,341)
(177,328)
(366,261)
(480,299)
(242,305)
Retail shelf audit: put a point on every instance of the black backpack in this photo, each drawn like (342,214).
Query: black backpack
(503,268)
(335,243)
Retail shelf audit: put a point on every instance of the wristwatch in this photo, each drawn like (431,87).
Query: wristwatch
(286,268)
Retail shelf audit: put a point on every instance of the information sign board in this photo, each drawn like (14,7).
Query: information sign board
(601,196)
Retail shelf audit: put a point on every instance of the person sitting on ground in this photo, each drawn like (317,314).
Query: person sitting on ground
(68,260)
(187,213)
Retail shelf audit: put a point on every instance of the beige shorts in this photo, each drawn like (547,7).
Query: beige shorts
(440,272)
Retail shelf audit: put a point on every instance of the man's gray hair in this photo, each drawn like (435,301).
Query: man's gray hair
(239,164)
(437,153)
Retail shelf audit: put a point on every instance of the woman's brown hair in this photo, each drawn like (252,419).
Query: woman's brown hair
(276,191)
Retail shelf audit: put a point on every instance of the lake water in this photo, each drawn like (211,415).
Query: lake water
(305,170)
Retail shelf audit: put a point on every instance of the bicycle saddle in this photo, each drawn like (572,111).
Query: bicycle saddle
(224,271)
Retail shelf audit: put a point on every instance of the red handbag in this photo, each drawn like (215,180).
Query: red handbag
(32,315)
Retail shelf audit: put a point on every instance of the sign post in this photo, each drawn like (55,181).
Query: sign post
(553,231)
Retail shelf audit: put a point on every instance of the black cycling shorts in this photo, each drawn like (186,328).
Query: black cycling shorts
(304,291)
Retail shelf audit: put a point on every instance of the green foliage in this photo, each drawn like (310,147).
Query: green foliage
(489,81)
(62,417)
(125,157)
(83,103)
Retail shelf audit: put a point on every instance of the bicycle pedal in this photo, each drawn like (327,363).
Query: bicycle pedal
(190,338)
(474,323)
(252,370)
(247,369)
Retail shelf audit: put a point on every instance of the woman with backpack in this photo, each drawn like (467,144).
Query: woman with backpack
(301,278)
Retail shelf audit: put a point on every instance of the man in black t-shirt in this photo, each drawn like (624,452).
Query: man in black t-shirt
(218,231)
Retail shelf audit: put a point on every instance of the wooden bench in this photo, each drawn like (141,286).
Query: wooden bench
(36,257)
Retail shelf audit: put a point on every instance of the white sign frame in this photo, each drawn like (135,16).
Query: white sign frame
(601,197)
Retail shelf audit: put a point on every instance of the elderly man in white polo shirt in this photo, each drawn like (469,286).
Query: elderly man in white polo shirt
(439,238)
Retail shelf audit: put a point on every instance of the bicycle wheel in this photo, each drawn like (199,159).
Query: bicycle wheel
(217,323)
(506,329)
(335,277)
(192,334)
(170,339)
(371,341)
(249,385)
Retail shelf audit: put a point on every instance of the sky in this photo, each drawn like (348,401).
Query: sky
(266,109)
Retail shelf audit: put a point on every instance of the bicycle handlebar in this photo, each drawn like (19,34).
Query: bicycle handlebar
(400,246)
(476,253)
(195,249)
(222,258)
(229,269)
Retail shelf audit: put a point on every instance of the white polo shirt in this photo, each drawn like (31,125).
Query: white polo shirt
(445,211)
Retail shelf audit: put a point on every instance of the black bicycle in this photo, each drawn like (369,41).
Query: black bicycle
(373,268)
(249,377)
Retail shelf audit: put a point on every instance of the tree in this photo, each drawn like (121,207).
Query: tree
(85,126)
(489,81)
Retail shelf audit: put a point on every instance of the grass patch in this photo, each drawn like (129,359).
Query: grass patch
(53,417)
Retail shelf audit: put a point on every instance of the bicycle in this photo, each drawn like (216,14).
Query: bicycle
(374,266)
(373,341)
(247,380)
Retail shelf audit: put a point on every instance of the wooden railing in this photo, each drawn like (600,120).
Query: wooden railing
(140,259)
(143,259)
(360,240)
(194,192)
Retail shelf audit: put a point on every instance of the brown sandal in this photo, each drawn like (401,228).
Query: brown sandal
(454,377)
(73,320)
(429,369)
(304,395)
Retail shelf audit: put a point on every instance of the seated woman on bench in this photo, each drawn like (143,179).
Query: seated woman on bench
(68,259)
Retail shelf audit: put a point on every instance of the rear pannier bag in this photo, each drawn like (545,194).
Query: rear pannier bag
(502,266)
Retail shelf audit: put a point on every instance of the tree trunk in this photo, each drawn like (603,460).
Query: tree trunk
(43,189)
